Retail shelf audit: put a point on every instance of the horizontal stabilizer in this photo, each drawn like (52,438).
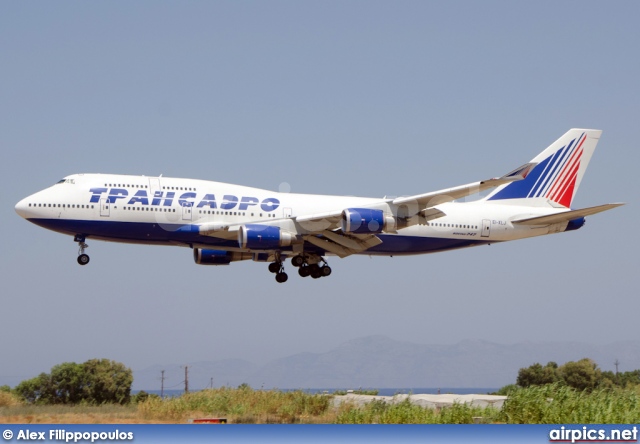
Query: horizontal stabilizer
(565,216)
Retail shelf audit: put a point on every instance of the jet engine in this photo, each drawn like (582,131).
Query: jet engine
(263,237)
(574,224)
(203,256)
(366,221)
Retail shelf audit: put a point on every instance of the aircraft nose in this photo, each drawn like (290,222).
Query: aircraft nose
(21,208)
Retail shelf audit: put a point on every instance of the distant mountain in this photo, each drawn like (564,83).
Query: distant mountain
(380,362)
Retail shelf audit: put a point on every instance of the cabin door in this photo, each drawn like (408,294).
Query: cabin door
(104,208)
(187,209)
(486,227)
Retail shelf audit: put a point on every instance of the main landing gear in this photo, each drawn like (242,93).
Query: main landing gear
(83,259)
(309,266)
(278,269)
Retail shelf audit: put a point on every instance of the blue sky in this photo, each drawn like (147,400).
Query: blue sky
(358,98)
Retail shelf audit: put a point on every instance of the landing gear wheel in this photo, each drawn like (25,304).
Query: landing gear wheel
(282,277)
(297,261)
(315,271)
(325,271)
(83,259)
(304,271)
(274,267)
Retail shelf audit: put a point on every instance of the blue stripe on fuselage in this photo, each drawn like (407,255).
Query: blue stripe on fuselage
(154,233)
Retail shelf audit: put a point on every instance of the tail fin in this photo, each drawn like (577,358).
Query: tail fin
(558,172)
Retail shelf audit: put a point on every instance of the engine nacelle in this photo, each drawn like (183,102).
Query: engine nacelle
(366,221)
(263,237)
(203,256)
(574,224)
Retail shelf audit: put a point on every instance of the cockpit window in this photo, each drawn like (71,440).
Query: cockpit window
(71,181)
(61,181)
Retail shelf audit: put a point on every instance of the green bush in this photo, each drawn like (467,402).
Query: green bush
(96,381)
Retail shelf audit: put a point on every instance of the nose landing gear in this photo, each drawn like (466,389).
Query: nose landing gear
(83,259)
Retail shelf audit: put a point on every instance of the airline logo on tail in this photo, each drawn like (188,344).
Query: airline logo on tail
(553,178)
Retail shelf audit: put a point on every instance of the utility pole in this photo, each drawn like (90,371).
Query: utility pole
(211,386)
(186,379)
(616,364)
(162,385)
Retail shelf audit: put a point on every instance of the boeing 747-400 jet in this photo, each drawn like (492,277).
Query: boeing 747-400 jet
(224,223)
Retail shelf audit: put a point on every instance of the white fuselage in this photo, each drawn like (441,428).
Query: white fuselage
(164,210)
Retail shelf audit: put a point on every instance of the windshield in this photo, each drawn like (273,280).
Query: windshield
(66,181)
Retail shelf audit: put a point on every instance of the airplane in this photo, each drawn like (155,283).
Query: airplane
(224,223)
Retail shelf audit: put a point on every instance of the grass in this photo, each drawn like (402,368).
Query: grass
(552,404)
(241,405)
(8,399)
(380,412)
(555,404)
(72,414)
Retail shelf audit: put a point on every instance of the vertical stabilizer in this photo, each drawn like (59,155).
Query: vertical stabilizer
(558,172)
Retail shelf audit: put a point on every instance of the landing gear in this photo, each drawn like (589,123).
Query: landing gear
(83,259)
(309,266)
(278,269)
(297,261)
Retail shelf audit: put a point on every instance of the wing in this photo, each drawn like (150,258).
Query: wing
(428,200)
(419,208)
(324,230)
(341,244)
(221,231)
